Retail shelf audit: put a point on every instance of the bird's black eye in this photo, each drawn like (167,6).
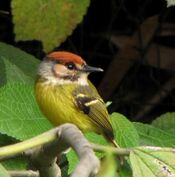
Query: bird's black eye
(70,66)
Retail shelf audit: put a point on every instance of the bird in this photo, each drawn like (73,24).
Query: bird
(66,95)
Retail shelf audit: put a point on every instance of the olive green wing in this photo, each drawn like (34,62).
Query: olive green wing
(88,100)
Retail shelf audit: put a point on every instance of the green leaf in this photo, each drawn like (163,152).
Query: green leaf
(125,132)
(125,170)
(3,172)
(48,21)
(13,73)
(16,65)
(165,122)
(72,161)
(150,135)
(19,114)
(96,138)
(170,3)
(6,140)
(139,168)
(153,162)
(108,167)
(63,164)
(19,163)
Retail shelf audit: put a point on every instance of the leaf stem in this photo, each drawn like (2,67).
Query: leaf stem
(118,151)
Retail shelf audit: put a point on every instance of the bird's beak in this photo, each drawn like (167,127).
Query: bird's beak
(90,69)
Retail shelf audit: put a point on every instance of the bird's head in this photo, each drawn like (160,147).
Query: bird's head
(64,67)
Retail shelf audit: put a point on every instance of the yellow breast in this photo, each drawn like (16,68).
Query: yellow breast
(57,104)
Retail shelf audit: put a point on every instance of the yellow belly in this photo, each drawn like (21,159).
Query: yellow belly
(57,104)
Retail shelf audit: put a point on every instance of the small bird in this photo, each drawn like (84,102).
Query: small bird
(65,95)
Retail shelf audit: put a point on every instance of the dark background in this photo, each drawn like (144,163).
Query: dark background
(145,91)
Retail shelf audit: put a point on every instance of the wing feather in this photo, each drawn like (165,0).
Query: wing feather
(89,101)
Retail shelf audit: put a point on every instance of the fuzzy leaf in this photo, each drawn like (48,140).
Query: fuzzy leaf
(3,172)
(170,3)
(48,21)
(16,65)
(150,135)
(19,163)
(96,138)
(19,114)
(13,73)
(153,162)
(165,122)
(126,134)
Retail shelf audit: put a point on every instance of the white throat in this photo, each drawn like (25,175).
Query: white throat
(82,80)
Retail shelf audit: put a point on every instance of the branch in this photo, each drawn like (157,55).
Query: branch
(69,136)
(28,173)
(52,143)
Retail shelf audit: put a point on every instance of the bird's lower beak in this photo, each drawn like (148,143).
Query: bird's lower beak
(90,69)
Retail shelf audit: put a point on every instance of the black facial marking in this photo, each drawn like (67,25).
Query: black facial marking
(70,77)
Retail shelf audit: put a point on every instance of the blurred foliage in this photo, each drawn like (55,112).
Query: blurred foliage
(3,172)
(170,3)
(47,21)
(16,65)
(166,122)
(108,167)
(150,135)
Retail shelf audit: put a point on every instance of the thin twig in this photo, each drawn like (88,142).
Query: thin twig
(118,151)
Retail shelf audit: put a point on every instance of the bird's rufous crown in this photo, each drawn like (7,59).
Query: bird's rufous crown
(66,57)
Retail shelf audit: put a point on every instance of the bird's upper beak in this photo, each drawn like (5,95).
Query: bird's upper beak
(90,69)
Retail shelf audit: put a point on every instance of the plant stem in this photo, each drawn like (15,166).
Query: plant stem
(29,173)
(118,151)
(17,148)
